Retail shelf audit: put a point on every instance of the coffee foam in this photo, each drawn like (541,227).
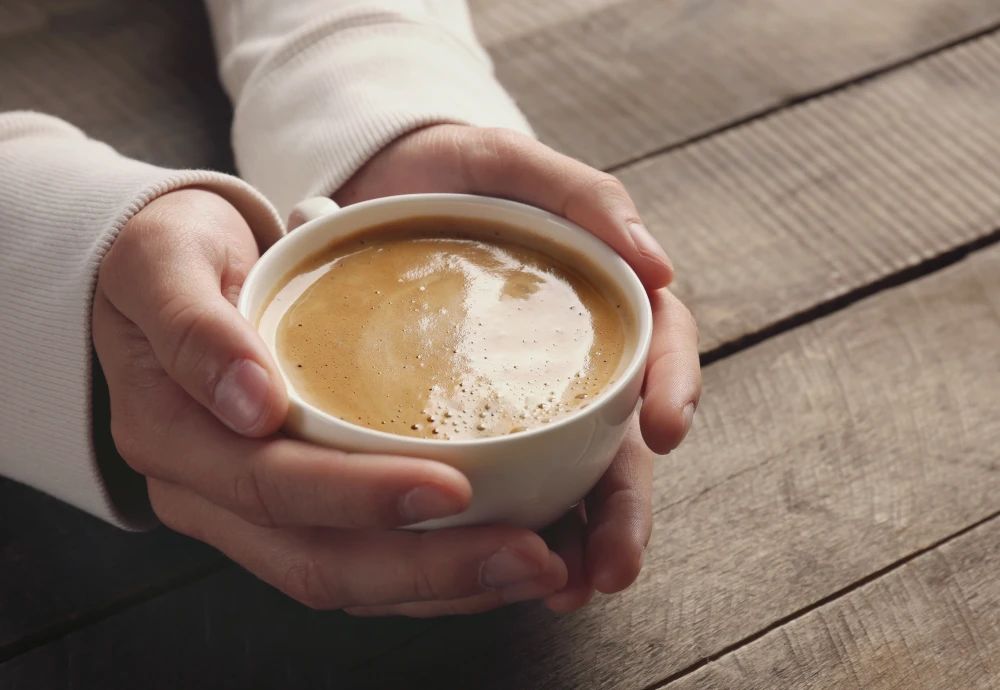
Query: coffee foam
(448,329)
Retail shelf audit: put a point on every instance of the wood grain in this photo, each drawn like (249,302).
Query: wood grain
(837,450)
(21,16)
(60,564)
(932,624)
(765,222)
(496,22)
(640,75)
(605,80)
(140,76)
(227,631)
(770,219)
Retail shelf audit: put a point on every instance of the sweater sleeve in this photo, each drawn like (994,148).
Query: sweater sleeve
(320,86)
(63,200)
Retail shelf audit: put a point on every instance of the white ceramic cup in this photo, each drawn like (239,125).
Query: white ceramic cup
(529,479)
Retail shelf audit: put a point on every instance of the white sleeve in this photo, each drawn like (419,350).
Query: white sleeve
(63,200)
(320,86)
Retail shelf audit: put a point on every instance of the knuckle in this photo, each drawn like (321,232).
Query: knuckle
(499,141)
(305,581)
(598,192)
(127,441)
(605,184)
(692,325)
(164,510)
(498,151)
(185,322)
(424,585)
(168,511)
(248,497)
(234,276)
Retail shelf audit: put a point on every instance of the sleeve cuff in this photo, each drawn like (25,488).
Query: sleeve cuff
(63,200)
(336,92)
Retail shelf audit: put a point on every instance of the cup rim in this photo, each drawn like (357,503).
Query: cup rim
(585,242)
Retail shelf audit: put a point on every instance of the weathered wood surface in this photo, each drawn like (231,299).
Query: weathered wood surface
(138,75)
(933,624)
(639,75)
(836,450)
(605,80)
(765,222)
(838,193)
(59,564)
(839,448)
(227,631)
(768,220)
(499,22)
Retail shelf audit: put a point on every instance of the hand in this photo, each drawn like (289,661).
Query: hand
(602,543)
(195,404)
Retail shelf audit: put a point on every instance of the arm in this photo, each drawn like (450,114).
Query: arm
(63,200)
(320,86)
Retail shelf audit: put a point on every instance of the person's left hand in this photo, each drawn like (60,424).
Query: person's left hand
(603,541)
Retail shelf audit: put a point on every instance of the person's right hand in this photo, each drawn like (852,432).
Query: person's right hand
(196,401)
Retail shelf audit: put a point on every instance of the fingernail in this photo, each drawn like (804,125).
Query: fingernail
(241,395)
(505,568)
(688,413)
(426,503)
(526,591)
(648,246)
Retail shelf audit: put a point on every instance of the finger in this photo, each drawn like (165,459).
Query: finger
(567,538)
(673,374)
(175,271)
(620,517)
(164,434)
(435,609)
(507,164)
(329,569)
(504,163)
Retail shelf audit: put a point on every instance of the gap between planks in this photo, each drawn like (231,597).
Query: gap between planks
(819,603)
(722,351)
(88,618)
(888,68)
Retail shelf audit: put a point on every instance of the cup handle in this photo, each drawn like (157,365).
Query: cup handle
(310,209)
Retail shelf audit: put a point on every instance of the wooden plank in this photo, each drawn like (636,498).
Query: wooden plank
(837,449)
(841,447)
(496,22)
(933,624)
(63,568)
(228,631)
(134,77)
(139,76)
(907,156)
(604,80)
(61,565)
(19,16)
(838,193)
(641,75)
(770,219)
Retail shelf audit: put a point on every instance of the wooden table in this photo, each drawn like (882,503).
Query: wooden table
(826,176)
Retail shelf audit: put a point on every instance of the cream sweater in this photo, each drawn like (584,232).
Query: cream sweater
(318,87)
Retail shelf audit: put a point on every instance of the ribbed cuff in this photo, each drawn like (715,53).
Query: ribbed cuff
(63,201)
(339,91)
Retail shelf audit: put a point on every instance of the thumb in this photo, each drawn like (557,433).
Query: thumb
(170,272)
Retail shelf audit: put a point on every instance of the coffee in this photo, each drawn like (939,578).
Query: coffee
(447,328)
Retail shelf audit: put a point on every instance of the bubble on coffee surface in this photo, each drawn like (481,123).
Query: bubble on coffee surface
(438,335)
